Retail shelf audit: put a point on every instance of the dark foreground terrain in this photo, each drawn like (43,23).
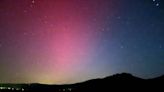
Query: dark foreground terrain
(119,82)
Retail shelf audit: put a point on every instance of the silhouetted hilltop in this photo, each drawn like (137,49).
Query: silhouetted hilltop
(159,78)
(123,81)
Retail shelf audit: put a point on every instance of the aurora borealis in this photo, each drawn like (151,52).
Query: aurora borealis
(68,41)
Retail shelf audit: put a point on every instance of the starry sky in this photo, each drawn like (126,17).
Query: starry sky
(68,41)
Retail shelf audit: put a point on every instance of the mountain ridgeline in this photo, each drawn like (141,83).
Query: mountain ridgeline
(123,82)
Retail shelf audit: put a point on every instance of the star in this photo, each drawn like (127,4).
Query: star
(51,25)
(45,16)
(122,47)
(157,4)
(102,29)
(24,11)
(25,33)
(94,19)
(45,22)
(119,17)
(0,44)
(33,1)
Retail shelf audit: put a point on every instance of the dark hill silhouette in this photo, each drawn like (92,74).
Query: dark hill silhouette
(123,82)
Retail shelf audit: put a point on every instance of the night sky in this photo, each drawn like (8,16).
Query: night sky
(68,41)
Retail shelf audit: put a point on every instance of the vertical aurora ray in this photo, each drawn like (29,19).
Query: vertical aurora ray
(62,52)
(74,38)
